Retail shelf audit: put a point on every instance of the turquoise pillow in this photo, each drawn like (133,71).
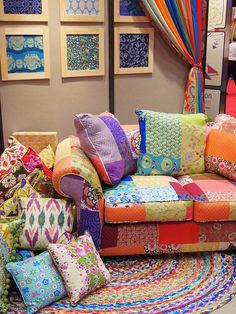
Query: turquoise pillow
(38,281)
(171,143)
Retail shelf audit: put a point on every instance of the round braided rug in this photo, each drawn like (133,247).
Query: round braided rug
(197,283)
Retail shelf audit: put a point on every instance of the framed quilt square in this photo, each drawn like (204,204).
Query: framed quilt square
(128,11)
(134,50)
(24,53)
(23,10)
(82,51)
(82,10)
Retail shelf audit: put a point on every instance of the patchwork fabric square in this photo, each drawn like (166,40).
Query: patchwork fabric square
(171,144)
(22,6)
(80,266)
(134,50)
(38,280)
(25,53)
(130,8)
(82,7)
(82,52)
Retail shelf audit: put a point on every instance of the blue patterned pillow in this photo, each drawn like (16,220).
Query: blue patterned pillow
(38,281)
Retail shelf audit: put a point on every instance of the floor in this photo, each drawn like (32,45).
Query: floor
(229,308)
(231,101)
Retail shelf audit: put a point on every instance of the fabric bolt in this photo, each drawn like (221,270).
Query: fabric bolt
(171,144)
(134,50)
(80,266)
(104,141)
(82,7)
(46,219)
(130,8)
(25,53)
(22,6)
(82,52)
(9,240)
(152,198)
(38,281)
(214,197)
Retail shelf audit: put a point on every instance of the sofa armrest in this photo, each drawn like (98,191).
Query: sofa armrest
(74,176)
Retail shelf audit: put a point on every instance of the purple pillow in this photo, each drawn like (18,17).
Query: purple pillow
(104,142)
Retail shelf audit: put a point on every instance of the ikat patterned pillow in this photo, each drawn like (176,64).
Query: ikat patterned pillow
(46,219)
(104,142)
(80,266)
(171,144)
(38,280)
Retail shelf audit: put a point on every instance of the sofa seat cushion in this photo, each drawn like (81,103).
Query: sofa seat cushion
(214,197)
(147,198)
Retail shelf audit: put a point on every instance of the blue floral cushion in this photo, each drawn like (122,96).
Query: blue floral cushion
(38,281)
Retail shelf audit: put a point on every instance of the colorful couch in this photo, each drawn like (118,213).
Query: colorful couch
(148,214)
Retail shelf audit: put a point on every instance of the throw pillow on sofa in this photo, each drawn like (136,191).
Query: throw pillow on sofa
(171,144)
(104,141)
(220,153)
(46,219)
(80,266)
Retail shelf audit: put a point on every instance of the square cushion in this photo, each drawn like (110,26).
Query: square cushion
(38,280)
(214,197)
(46,219)
(142,199)
(9,238)
(171,144)
(80,266)
(104,142)
(220,153)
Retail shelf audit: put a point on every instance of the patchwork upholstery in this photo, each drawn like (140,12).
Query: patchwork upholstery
(168,237)
(152,198)
(214,197)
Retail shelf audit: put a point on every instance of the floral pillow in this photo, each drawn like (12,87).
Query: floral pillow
(80,266)
(9,238)
(38,280)
(46,219)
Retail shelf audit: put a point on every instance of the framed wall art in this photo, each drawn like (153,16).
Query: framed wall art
(128,11)
(82,51)
(24,53)
(214,58)
(212,102)
(134,50)
(82,10)
(23,10)
(217,14)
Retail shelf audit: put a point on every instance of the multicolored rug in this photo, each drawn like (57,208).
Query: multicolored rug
(176,284)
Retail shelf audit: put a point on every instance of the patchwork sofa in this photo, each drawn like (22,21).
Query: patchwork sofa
(154,214)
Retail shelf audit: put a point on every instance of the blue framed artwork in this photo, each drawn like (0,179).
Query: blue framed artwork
(23,10)
(128,11)
(82,51)
(134,50)
(24,53)
(82,10)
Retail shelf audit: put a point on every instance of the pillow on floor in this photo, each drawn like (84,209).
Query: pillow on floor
(220,153)
(46,219)
(104,142)
(80,266)
(171,144)
(38,280)
(9,238)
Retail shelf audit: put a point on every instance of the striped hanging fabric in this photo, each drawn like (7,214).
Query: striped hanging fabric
(182,24)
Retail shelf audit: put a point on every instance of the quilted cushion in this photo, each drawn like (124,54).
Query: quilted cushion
(220,154)
(152,198)
(214,197)
(46,219)
(104,141)
(171,144)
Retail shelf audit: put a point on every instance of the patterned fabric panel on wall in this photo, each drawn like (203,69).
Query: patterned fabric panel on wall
(25,53)
(22,6)
(130,8)
(82,52)
(134,49)
(82,7)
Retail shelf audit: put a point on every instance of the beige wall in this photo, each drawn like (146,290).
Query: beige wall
(49,105)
